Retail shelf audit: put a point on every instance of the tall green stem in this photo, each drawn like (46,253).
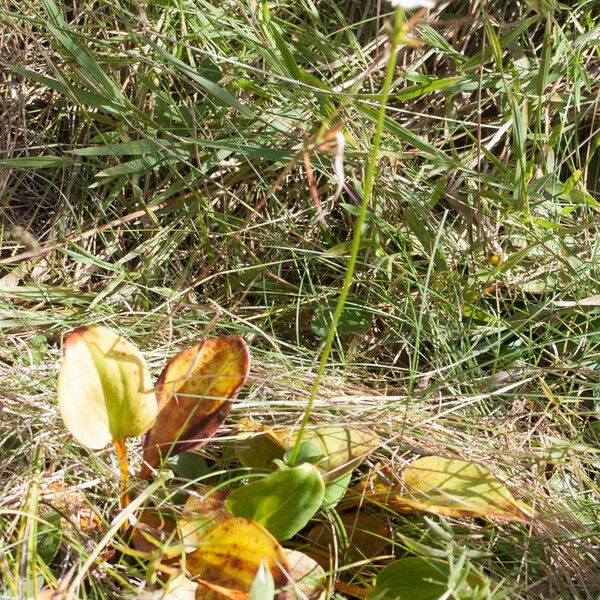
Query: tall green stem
(358,226)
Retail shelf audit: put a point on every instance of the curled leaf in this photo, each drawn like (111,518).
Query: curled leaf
(194,397)
(104,388)
(230,554)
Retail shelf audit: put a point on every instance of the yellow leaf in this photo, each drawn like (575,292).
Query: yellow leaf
(230,554)
(194,397)
(201,513)
(455,488)
(104,388)
(342,448)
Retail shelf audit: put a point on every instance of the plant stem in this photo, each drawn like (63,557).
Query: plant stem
(124,468)
(358,226)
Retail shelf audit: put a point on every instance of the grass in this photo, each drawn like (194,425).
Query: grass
(153,179)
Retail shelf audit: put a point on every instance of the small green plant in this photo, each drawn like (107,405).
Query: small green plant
(227,540)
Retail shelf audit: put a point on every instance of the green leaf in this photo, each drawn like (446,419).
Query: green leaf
(263,586)
(308,453)
(137,165)
(59,28)
(104,389)
(258,451)
(132,148)
(81,95)
(35,162)
(283,502)
(49,537)
(190,466)
(412,579)
(336,490)
(355,319)
(209,87)
(343,448)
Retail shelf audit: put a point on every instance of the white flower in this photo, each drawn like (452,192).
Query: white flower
(410,4)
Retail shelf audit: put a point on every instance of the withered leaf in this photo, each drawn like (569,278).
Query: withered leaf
(230,554)
(194,397)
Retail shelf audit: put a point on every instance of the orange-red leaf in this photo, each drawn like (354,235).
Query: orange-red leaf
(194,397)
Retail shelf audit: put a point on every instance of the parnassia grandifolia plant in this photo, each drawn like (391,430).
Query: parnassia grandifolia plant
(228,536)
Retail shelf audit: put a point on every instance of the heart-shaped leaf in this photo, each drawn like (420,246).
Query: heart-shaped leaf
(105,391)
(283,501)
(50,536)
(194,397)
(190,465)
(230,555)
(415,578)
